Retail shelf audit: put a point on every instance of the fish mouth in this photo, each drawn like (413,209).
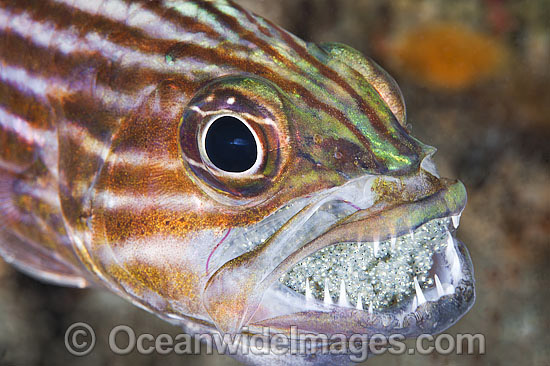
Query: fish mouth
(349,261)
(421,282)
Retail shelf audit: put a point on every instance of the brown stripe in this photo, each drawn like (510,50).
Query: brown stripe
(302,52)
(134,78)
(332,75)
(245,33)
(176,18)
(128,78)
(77,69)
(21,52)
(30,109)
(253,19)
(233,24)
(120,225)
(373,117)
(92,115)
(65,18)
(16,153)
(18,51)
(124,177)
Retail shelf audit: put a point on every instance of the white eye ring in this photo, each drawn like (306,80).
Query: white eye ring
(251,172)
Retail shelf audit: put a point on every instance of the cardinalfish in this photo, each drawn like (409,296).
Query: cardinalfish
(214,169)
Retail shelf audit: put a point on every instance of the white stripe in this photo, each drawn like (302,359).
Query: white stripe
(189,252)
(82,137)
(40,33)
(46,35)
(48,195)
(26,82)
(40,87)
(174,202)
(67,42)
(136,16)
(21,127)
(161,251)
(45,140)
(143,159)
(136,158)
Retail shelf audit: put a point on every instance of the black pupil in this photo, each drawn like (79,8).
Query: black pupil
(230,145)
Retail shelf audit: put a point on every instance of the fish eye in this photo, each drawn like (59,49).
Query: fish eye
(234,139)
(231,145)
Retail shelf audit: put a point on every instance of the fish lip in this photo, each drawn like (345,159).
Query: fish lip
(431,317)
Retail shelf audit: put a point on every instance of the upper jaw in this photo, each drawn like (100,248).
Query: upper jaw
(241,290)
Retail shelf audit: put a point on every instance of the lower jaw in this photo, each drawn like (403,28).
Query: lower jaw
(429,306)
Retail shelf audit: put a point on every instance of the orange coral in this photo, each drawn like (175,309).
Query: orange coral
(447,55)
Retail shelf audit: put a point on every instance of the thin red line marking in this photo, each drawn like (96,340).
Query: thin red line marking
(352,205)
(216,247)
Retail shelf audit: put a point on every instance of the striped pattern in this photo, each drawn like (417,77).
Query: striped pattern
(91,94)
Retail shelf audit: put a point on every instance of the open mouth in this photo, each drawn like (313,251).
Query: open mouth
(380,275)
(347,261)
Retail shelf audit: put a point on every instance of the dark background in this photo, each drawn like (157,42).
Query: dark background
(475,76)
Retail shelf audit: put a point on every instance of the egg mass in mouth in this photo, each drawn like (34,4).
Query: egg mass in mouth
(373,275)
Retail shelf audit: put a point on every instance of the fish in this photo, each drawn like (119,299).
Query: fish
(212,168)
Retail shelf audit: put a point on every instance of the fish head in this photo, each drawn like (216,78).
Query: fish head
(368,221)
(282,198)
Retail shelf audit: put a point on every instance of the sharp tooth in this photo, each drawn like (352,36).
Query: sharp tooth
(309,295)
(456,221)
(450,250)
(343,299)
(359,302)
(414,304)
(393,241)
(376,247)
(438,286)
(452,257)
(412,235)
(450,240)
(328,299)
(370,308)
(419,293)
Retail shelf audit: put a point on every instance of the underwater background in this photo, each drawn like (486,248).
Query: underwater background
(475,75)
